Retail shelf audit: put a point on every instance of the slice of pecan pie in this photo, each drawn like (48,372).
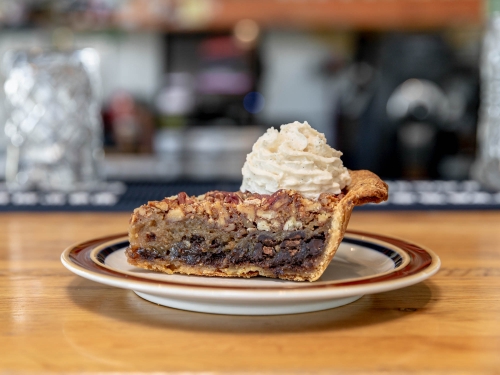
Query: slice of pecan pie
(282,235)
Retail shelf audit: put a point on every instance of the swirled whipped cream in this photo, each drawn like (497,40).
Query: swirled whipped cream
(297,157)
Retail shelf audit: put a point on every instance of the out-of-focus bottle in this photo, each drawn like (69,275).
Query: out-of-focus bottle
(487,166)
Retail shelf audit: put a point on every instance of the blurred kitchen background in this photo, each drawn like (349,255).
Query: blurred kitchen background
(188,86)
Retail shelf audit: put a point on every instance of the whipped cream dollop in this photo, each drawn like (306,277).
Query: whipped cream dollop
(296,157)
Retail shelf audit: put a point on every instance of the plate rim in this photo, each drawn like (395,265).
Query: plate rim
(281,292)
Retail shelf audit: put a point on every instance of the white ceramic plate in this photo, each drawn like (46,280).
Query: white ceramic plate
(364,264)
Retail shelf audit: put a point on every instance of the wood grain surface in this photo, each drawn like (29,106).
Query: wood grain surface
(52,321)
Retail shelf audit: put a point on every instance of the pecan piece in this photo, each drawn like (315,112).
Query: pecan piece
(291,243)
(232,198)
(181,197)
(278,200)
(266,240)
(268,250)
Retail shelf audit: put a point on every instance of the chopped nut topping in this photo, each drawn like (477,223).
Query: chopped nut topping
(266,214)
(263,225)
(285,209)
(253,201)
(175,215)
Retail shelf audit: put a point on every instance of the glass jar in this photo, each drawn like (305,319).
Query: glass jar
(53,123)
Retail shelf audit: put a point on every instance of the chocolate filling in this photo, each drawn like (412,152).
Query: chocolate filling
(296,250)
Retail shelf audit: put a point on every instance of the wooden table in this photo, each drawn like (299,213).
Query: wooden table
(52,321)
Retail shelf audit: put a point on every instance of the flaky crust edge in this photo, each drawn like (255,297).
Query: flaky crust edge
(366,187)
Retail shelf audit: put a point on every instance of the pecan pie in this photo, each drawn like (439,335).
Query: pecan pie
(283,235)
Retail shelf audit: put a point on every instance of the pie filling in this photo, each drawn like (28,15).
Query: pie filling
(287,251)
